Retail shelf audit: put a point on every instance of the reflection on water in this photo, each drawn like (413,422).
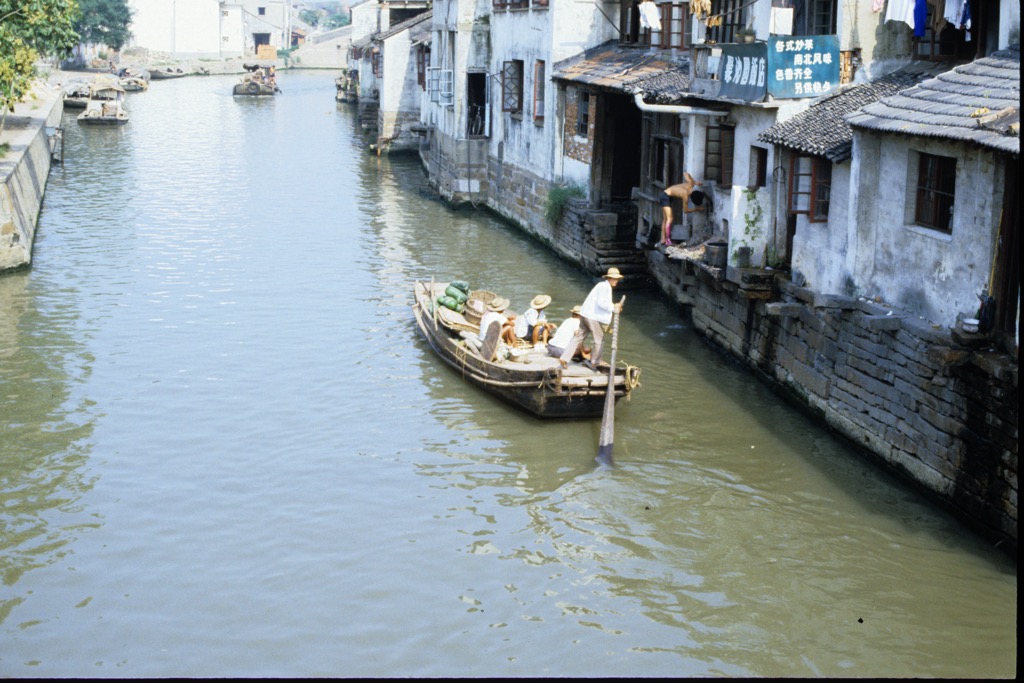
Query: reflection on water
(226,451)
(46,428)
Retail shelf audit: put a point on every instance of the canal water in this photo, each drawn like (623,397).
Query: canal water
(226,451)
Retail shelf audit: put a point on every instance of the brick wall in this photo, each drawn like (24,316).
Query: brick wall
(576,146)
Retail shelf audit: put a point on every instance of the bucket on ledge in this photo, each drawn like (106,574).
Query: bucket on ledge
(716,254)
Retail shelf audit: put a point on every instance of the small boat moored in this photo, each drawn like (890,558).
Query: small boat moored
(106,103)
(76,94)
(166,73)
(528,378)
(134,78)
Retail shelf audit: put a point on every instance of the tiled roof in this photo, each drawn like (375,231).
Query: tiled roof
(416,24)
(822,129)
(977,102)
(658,75)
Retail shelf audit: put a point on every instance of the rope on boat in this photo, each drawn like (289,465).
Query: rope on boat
(632,377)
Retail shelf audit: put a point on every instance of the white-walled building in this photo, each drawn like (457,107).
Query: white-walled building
(209,29)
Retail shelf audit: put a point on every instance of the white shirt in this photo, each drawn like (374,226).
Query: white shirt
(563,335)
(901,10)
(650,17)
(527,320)
(598,304)
(487,319)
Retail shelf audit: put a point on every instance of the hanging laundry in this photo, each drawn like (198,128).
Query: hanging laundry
(954,10)
(650,17)
(965,21)
(920,18)
(938,16)
(901,10)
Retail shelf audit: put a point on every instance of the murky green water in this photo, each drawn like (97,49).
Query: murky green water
(225,451)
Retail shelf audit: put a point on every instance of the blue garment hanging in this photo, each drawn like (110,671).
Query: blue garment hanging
(920,17)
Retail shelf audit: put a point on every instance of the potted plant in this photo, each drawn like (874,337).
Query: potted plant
(745,35)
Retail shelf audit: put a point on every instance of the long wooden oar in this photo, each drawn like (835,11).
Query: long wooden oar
(604,449)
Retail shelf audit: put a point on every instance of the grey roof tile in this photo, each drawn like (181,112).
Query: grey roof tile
(957,105)
(822,129)
(659,75)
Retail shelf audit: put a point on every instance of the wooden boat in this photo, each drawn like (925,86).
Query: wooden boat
(134,84)
(76,94)
(255,88)
(259,81)
(106,103)
(166,73)
(528,378)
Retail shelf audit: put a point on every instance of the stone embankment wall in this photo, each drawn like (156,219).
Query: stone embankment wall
(935,405)
(23,172)
(593,239)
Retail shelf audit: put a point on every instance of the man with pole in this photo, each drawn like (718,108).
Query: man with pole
(595,313)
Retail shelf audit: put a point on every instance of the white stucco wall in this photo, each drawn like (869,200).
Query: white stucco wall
(399,91)
(549,35)
(927,272)
(365,19)
(232,30)
(820,250)
(459,31)
(181,28)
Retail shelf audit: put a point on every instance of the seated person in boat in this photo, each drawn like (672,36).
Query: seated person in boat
(563,336)
(496,314)
(533,324)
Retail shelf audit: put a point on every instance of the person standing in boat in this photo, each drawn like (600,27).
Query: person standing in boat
(684,191)
(595,313)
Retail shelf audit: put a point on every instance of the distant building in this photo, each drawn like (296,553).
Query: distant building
(206,29)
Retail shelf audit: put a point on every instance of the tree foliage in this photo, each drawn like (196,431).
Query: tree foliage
(29,29)
(105,22)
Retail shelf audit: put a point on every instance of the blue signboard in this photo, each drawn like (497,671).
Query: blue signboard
(802,66)
(743,71)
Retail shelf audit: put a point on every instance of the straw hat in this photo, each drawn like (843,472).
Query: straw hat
(614,274)
(576,309)
(497,304)
(540,301)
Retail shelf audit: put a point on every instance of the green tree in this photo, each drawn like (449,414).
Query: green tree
(105,22)
(28,29)
(310,17)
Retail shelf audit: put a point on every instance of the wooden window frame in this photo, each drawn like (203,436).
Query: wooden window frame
(758,167)
(422,64)
(669,38)
(734,17)
(718,164)
(815,191)
(583,115)
(935,192)
(512,86)
(539,85)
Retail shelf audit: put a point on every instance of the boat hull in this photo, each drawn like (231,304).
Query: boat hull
(252,89)
(539,385)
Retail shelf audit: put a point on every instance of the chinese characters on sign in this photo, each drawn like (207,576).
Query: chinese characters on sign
(743,71)
(802,66)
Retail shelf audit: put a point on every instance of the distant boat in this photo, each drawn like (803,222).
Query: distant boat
(106,103)
(259,81)
(163,74)
(134,84)
(255,88)
(529,379)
